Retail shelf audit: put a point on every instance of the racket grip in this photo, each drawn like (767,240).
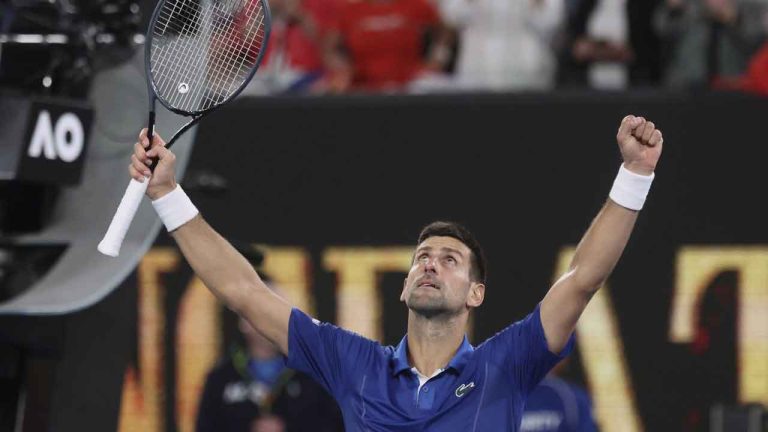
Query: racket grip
(113,239)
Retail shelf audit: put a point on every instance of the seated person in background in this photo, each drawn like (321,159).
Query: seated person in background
(293,58)
(380,44)
(557,405)
(253,391)
(505,44)
(708,40)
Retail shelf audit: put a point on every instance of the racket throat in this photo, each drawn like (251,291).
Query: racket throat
(151,125)
(150,136)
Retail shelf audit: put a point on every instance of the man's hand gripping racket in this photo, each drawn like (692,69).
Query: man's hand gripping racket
(163,179)
(199,54)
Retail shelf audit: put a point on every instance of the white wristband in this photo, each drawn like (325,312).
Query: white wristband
(630,189)
(175,208)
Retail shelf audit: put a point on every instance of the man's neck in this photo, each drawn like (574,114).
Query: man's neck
(432,342)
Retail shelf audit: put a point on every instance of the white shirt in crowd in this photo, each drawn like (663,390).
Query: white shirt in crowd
(505,44)
(609,22)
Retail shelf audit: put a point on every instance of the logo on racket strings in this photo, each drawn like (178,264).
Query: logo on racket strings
(183,88)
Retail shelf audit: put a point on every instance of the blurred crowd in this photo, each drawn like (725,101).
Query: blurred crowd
(418,46)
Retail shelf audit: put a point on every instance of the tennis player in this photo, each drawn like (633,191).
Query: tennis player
(434,380)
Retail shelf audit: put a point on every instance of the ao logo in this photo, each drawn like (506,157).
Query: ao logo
(65,140)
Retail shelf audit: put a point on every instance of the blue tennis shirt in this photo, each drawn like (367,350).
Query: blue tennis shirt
(480,389)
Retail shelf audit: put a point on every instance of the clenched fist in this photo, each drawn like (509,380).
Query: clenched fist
(640,144)
(163,180)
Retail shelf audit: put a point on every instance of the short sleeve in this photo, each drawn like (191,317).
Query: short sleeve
(328,354)
(522,350)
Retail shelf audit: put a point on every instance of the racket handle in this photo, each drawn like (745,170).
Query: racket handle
(113,239)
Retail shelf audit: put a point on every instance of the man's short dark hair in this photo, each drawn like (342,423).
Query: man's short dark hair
(460,233)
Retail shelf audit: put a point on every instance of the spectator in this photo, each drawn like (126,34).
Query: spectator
(505,44)
(380,44)
(253,391)
(710,39)
(756,78)
(293,59)
(610,44)
(557,405)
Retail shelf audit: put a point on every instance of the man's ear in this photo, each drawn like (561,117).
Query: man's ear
(402,293)
(476,294)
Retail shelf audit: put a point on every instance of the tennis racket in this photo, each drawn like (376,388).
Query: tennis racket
(198,55)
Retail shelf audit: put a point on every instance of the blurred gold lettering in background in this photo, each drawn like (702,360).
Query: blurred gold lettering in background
(602,354)
(142,406)
(696,267)
(290,268)
(357,271)
(197,335)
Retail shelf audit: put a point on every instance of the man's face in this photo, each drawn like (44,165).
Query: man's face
(439,280)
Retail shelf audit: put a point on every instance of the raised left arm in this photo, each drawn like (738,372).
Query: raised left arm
(602,245)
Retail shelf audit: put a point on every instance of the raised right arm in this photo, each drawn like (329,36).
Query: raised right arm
(224,271)
(233,280)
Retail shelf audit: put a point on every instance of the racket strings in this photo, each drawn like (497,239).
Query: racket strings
(239,55)
(190,14)
(202,52)
(176,62)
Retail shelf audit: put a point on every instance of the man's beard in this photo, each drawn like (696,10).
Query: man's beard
(428,306)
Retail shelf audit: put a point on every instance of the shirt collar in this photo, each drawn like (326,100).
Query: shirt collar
(400,363)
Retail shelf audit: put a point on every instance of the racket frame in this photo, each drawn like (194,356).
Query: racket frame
(151,87)
(113,239)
